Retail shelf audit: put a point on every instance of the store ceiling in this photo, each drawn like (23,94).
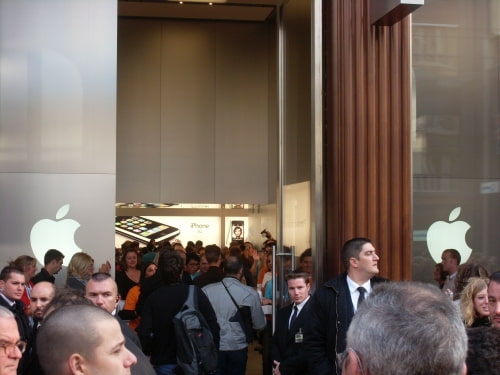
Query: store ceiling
(231,10)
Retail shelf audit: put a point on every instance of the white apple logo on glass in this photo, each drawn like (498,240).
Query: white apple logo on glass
(56,234)
(442,235)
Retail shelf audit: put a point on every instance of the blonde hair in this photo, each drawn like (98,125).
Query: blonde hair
(474,286)
(79,265)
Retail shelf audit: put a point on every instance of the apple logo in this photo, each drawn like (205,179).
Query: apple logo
(55,234)
(442,235)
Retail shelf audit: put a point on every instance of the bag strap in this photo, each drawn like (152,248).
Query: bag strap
(232,299)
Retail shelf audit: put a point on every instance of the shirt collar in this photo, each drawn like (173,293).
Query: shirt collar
(353,287)
(8,300)
(301,305)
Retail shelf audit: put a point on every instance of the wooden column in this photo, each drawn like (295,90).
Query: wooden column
(367,136)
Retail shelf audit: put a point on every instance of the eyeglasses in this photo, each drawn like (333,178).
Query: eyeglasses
(343,357)
(9,348)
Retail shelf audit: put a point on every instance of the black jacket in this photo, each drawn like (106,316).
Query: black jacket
(156,329)
(285,349)
(43,275)
(133,344)
(213,275)
(331,312)
(22,320)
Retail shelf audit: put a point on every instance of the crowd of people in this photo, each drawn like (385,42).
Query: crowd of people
(356,323)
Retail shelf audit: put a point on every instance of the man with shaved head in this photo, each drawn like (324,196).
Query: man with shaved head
(42,293)
(83,340)
(102,290)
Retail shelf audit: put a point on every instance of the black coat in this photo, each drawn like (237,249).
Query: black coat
(213,275)
(23,325)
(22,320)
(156,329)
(331,312)
(285,349)
(133,344)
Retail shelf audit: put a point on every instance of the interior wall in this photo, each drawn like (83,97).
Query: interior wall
(193,111)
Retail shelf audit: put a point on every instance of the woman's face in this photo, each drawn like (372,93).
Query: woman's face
(437,274)
(131,259)
(90,270)
(30,270)
(150,271)
(481,303)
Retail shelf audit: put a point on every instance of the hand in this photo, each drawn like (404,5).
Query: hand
(276,370)
(255,255)
(105,267)
(267,301)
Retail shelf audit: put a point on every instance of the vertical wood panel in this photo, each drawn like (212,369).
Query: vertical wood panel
(368,169)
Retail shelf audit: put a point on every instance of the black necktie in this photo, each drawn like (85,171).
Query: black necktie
(361,298)
(294,316)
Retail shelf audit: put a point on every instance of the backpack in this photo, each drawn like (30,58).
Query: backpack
(196,350)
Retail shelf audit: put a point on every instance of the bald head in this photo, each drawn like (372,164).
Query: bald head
(41,294)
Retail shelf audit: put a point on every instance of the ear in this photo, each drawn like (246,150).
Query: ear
(351,365)
(76,363)
(353,262)
(464,370)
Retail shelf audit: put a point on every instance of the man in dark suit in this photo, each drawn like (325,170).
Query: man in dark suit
(334,304)
(11,291)
(287,351)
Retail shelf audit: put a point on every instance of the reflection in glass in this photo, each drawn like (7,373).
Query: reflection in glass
(456,138)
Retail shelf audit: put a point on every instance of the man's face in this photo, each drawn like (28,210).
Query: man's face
(13,287)
(494,303)
(192,266)
(111,356)
(449,264)
(55,266)
(298,290)
(307,264)
(368,260)
(103,294)
(41,295)
(203,264)
(10,354)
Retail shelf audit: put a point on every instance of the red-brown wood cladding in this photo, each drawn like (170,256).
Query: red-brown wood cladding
(367,137)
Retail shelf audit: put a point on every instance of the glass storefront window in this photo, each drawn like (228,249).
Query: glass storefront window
(456,134)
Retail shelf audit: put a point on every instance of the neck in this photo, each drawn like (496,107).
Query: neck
(358,278)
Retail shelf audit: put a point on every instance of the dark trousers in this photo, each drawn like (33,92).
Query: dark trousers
(267,336)
(232,362)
